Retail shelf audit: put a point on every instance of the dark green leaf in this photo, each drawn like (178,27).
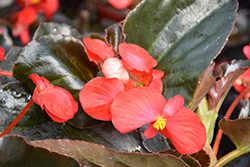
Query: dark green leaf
(59,58)
(155,144)
(238,131)
(206,82)
(106,135)
(82,120)
(242,161)
(14,96)
(8,63)
(15,151)
(183,36)
(191,161)
(114,35)
(203,158)
(87,152)
(46,28)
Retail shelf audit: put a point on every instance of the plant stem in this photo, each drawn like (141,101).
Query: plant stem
(227,116)
(18,118)
(6,73)
(229,157)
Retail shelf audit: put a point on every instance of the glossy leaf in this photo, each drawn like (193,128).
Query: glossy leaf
(46,28)
(15,151)
(207,81)
(242,161)
(155,144)
(238,131)
(203,158)
(183,36)
(14,97)
(191,161)
(59,58)
(114,35)
(97,154)
(106,135)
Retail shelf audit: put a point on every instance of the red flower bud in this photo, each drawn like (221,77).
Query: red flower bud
(57,102)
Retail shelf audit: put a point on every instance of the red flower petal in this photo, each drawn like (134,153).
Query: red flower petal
(59,104)
(173,105)
(98,51)
(150,132)
(113,68)
(97,96)
(157,82)
(120,4)
(27,15)
(135,108)
(186,131)
(25,36)
(136,56)
(2,53)
(246,51)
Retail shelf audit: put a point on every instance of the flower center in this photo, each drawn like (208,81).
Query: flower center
(35,1)
(160,124)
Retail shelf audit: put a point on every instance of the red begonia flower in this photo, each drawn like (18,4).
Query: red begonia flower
(57,102)
(120,4)
(47,7)
(97,50)
(136,57)
(137,107)
(113,68)
(98,94)
(246,51)
(2,53)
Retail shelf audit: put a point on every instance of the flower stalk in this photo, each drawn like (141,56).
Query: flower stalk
(6,73)
(227,116)
(18,118)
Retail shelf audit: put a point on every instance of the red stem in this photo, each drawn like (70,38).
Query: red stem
(18,118)
(227,116)
(6,73)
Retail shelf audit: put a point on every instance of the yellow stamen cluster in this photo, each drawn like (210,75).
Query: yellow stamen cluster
(160,124)
(35,1)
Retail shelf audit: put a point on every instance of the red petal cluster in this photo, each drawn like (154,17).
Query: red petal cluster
(57,102)
(130,96)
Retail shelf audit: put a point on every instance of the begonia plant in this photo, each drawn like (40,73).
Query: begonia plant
(141,92)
